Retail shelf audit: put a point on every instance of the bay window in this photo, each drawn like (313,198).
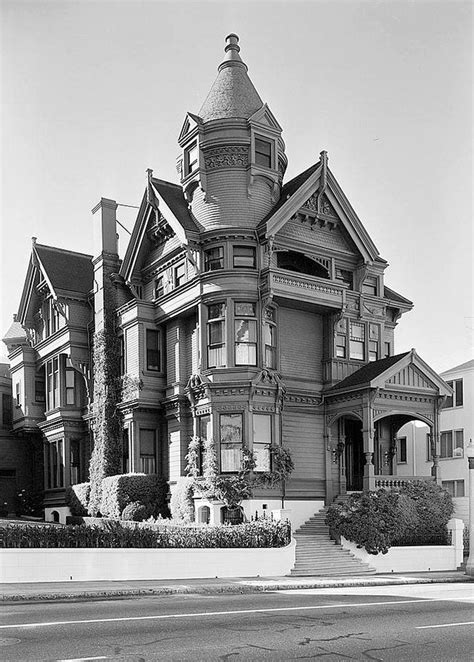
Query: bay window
(231,437)
(216,329)
(75,463)
(262,440)
(245,326)
(244,256)
(70,383)
(52,383)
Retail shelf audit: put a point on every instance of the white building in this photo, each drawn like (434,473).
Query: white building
(414,453)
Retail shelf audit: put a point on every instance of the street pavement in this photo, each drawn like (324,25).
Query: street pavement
(423,622)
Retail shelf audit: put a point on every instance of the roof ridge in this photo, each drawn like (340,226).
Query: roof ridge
(64,250)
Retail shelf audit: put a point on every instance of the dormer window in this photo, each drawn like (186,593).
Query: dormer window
(191,159)
(263,152)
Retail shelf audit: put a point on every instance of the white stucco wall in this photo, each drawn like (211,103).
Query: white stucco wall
(59,565)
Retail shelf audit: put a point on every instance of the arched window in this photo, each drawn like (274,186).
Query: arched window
(293,261)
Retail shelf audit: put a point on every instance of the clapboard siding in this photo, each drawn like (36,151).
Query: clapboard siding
(132,350)
(301,344)
(303,435)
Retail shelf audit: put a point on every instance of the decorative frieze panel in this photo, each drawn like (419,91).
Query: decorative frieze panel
(225,157)
(403,397)
(306,285)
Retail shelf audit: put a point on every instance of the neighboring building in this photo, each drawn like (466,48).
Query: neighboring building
(248,309)
(20,457)
(414,452)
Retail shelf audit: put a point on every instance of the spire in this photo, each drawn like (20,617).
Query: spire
(232,94)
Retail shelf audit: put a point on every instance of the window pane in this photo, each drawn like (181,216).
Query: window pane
(245,330)
(357,331)
(263,152)
(356,350)
(216,333)
(231,428)
(262,428)
(245,354)
(458,392)
(153,358)
(231,457)
(262,457)
(216,357)
(458,443)
(214,259)
(244,256)
(244,309)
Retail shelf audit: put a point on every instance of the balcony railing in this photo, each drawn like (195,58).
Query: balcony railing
(321,291)
(391,482)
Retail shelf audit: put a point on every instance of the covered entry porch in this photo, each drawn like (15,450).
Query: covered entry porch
(363,414)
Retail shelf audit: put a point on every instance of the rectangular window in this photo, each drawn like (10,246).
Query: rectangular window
(159,287)
(357,341)
(454,487)
(341,349)
(40,388)
(231,436)
(452,443)
(18,394)
(55,464)
(402,450)
(75,461)
(153,353)
(147,451)
(52,383)
(179,275)
(214,259)
(457,399)
(7,414)
(70,383)
(263,152)
(369,286)
(245,334)
(386,346)
(216,347)
(269,339)
(429,454)
(191,159)
(262,440)
(244,257)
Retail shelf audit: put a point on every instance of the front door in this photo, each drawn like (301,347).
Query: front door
(354,455)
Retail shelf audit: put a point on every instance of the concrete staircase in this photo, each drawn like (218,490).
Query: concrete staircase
(317,554)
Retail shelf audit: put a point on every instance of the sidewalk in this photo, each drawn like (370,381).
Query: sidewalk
(38,592)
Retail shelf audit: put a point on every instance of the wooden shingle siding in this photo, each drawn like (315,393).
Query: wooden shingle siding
(229,204)
(79,314)
(333,239)
(163,250)
(301,344)
(303,435)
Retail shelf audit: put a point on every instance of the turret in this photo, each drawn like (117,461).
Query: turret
(232,161)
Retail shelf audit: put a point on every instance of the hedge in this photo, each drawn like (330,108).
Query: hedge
(118,491)
(77,498)
(261,533)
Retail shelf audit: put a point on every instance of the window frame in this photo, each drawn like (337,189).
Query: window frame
(269,350)
(148,461)
(244,247)
(214,263)
(259,155)
(159,287)
(402,450)
(357,341)
(191,165)
(179,278)
(265,445)
(453,441)
(234,445)
(251,343)
(457,399)
(152,353)
(217,322)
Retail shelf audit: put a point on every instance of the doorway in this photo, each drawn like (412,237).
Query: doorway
(354,455)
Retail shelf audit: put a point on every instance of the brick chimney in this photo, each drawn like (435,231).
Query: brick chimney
(106,259)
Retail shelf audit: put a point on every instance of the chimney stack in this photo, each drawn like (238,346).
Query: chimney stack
(105,227)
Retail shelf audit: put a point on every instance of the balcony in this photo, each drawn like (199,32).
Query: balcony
(311,289)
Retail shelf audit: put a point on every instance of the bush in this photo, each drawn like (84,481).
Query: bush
(182,503)
(261,533)
(30,502)
(119,491)
(77,498)
(434,507)
(372,520)
(135,511)
(416,514)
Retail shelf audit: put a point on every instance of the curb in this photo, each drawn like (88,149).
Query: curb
(206,589)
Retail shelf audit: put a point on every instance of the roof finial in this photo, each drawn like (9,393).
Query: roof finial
(232,49)
(33,241)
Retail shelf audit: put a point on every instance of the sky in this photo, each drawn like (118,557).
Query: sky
(94,93)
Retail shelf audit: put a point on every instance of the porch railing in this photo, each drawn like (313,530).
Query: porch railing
(390,482)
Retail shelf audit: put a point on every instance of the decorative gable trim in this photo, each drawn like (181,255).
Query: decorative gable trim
(192,123)
(265,117)
(415,372)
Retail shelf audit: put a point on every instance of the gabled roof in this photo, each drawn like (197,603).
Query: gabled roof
(316,179)
(378,373)
(66,270)
(170,201)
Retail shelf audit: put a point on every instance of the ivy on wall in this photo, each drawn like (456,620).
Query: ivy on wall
(106,457)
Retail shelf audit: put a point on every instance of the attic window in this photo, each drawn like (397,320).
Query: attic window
(190,159)
(263,152)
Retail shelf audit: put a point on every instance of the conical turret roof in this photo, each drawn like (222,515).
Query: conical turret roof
(232,94)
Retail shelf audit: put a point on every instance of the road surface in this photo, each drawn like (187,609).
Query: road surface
(419,622)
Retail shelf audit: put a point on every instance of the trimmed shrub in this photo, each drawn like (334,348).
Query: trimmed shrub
(135,511)
(77,498)
(372,520)
(261,533)
(433,506)
(182,503)
(119,491)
